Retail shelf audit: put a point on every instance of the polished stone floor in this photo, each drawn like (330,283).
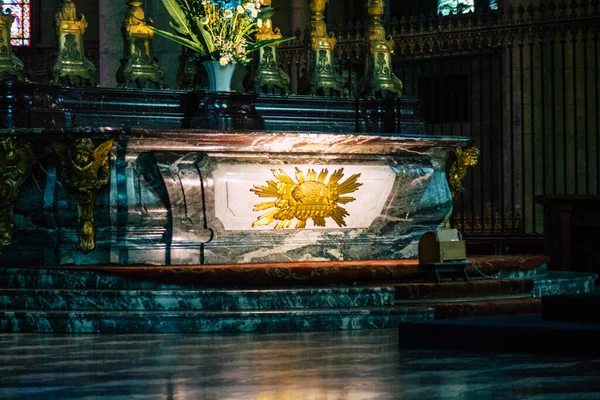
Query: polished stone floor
(320,365)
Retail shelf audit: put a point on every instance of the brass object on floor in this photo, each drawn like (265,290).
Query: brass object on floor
(83,170)
(308,198)
(457,172)
(322,78)
(70,65)
(10,65)
(139,65)
(269,75)
(16,163)
(379,79)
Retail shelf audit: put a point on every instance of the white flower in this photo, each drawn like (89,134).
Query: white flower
(259,23)
(240,9)
(227,14)
(249,6)
(223,61)
(254,14)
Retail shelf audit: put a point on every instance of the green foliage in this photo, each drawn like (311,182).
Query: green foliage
(220,30)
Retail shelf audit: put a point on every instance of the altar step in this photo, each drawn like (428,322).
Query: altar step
(187,299)
(492,297)
(546,283)
(484,307)
(77,300)
(308,273)
(209,321)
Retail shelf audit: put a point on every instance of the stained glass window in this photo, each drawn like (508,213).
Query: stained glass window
(447,7)
(20,31)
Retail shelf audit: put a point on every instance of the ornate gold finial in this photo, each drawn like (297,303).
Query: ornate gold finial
(83,170)
(139,65)
(309,198)
(10,65)
(71,63)
(458,169)
(379,79)
(269,75)
(322,78)
(16,163)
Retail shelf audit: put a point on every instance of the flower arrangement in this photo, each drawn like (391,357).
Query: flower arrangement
(219,30)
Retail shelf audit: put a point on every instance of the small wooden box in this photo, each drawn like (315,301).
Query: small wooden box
(442,246)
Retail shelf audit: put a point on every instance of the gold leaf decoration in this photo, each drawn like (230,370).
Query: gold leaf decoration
(309,197)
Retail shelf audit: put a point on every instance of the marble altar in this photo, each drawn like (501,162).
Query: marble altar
(181,197)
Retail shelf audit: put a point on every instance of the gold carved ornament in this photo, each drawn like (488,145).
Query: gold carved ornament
(16,163)
(463,159)
(308,198)
(83,170)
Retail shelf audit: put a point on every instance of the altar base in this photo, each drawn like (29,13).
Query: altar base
(269,298)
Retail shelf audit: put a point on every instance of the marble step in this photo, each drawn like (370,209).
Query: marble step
(254,275)
(185,299)
(450,290)
(22,321)
(483,307)
(472,305)
(563,282)
(57,278)
(554,282)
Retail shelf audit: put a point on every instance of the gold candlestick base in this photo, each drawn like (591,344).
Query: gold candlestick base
(379,79)
(10,65)
(322,78)
(70,65)
(139,66)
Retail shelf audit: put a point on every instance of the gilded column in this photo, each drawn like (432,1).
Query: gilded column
(269,76)
(379,79)
(139,65)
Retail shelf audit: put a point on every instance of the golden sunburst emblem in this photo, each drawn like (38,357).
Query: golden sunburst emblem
(309,198)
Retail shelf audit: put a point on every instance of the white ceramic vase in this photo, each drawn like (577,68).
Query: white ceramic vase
(219,76)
